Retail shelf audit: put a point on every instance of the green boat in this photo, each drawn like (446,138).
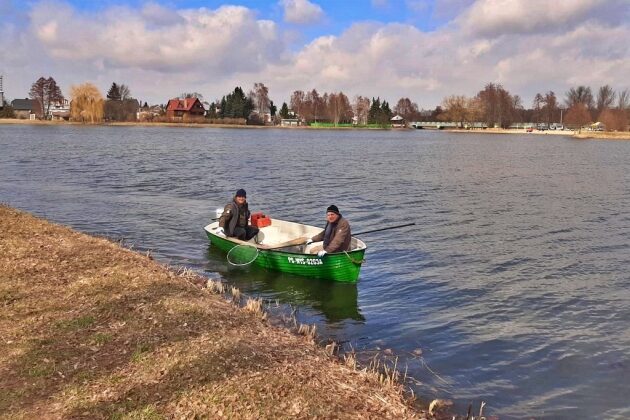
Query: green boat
(281,247)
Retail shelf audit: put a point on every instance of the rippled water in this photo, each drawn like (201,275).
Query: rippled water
(514,282)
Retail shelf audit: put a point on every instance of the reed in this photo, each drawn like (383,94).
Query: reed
(236,295)
(309,331)
(332,349)
(255,306)
(215,286)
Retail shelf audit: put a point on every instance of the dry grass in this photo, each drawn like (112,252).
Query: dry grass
(603,135)
(91,330)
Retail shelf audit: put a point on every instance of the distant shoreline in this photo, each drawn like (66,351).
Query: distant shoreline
(594,135)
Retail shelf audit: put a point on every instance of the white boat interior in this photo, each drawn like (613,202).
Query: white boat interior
(285,235)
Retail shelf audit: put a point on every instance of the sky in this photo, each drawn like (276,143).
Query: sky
(421,49)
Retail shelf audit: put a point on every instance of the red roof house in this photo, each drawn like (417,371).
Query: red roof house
(187,109)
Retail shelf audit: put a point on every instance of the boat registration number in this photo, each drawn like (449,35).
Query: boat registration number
(305,261)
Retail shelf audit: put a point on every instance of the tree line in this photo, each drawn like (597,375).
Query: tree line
(496,107)
(493,106)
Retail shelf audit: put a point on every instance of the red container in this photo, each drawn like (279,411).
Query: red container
(260,220)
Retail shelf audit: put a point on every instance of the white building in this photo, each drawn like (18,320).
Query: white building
(59,110)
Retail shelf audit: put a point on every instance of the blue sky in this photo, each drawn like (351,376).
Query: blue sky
(340,13)
(421,49)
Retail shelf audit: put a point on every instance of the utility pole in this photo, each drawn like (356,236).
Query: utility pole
(1,93)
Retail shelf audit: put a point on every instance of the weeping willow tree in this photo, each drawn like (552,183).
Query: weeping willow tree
(87,103)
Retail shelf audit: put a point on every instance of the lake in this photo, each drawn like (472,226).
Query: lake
(514,283)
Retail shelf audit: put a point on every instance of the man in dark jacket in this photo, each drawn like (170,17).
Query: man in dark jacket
(336,235)
(233,221)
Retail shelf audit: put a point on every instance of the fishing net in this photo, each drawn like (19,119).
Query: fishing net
(242,255)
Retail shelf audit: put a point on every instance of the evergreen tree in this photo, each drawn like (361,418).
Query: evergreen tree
(223,107)
(7,111)
(284,110)
(375,110)
(113,94)
(236,105)
(385,113)
(212,111)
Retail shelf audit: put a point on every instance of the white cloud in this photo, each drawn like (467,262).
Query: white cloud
(227,39)
(301,11)
(160,15)
(160,52)
(497,17)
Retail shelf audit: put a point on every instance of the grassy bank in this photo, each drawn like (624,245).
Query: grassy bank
(91,330)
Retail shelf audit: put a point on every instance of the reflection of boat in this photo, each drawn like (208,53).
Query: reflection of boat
(334,300)
(277,250)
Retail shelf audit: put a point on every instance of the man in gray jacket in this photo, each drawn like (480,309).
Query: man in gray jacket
(336,235)
(233,220)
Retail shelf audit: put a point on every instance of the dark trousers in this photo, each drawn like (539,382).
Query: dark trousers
(246,233)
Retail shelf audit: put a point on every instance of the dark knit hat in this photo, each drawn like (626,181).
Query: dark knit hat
(333,209)
(241,193)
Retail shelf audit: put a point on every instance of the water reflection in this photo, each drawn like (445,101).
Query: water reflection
(335,301)
(514,278)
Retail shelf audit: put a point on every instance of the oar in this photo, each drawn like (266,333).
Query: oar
(292,242)
(385,228)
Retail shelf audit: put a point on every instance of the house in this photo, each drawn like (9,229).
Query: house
(187,109)
(149,113)
(60,110)
(398,122)
(27,109)
(289,122)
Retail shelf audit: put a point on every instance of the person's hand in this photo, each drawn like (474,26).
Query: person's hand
(220,231)
(309,241)
(321,253)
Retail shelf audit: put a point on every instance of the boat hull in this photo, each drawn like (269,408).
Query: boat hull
(340,267)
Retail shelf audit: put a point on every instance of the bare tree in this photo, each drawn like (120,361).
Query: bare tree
(87,103)
(406,109)
(578,116)
(339,108)
(297,102)
(260,97)
(187,95)
(455,109)
(361,108)
(579,95)
(46,92)
(623,99)
(537,106)
(314,106)
(614,119)
(500,108)
(550,109)
(125,93)
(605,98)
